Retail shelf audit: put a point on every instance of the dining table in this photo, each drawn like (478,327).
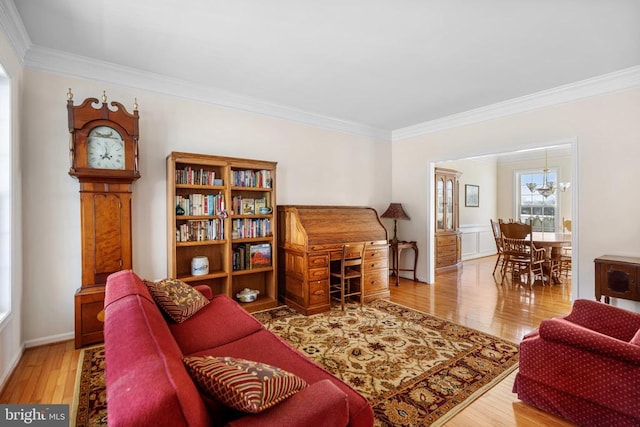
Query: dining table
(552,244)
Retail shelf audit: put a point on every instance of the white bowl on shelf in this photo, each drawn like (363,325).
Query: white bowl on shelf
(247,295)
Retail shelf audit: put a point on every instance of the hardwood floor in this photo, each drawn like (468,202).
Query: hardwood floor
(45,374)
(471,297)
(474,298)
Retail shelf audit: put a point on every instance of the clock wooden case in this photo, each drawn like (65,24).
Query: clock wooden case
(103,152)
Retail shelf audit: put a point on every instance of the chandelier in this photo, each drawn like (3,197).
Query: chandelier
(548,187)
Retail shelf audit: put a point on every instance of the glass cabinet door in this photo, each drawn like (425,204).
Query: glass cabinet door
(449,213)
(440,204)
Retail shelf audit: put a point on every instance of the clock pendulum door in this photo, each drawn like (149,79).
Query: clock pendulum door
(106,239)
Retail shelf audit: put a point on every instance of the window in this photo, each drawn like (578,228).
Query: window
(531,206)
(5,197)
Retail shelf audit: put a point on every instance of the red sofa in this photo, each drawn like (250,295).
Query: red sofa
(584,367)
(148,384)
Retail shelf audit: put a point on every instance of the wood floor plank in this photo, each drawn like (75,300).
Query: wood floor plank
(472,297)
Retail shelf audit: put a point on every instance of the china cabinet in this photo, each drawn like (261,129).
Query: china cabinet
(447,234)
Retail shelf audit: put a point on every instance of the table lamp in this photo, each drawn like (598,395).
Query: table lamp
(395,212)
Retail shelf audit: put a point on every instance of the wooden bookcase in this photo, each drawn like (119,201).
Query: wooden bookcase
(218,219)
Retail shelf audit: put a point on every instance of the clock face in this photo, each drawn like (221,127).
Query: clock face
(105,149)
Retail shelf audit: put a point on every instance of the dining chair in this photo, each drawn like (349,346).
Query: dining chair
(497,236)
(564,262)
(521,257)
(348,274)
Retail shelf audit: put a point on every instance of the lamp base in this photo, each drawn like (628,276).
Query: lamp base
(395,229)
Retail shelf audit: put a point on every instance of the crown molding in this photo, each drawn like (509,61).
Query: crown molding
(51,60)
(11,25)
(607,83)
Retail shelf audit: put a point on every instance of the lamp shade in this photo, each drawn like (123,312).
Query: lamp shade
(395,211)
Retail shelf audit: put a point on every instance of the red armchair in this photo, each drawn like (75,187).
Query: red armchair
(584,367)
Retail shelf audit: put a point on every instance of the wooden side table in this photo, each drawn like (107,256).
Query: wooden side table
(396,250)
(617,277)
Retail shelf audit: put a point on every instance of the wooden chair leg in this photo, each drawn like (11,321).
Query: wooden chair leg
(497,262)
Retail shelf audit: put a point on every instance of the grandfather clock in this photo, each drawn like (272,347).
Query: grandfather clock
(103,151)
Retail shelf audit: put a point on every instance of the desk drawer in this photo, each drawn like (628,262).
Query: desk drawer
(319,292)
(376,264)
(316,261)
(376,281)
(376,253)
(318,273)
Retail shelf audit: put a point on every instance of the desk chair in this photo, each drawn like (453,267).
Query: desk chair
(349,268)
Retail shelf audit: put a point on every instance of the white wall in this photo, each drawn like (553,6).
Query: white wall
(315,166)
(10,327)
(607,131)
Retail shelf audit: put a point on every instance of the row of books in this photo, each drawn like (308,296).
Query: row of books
(248,256)
(188,175)
(251,178)
(247,205)
(247,228)
(200,204)
(200,230)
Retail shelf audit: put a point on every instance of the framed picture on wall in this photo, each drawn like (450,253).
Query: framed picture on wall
(472,195)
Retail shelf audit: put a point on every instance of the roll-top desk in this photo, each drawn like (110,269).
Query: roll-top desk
(310,237)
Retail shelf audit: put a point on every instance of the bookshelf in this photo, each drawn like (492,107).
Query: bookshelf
(222,208)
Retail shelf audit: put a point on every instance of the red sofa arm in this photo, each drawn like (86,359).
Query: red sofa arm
(568,333)
(321,404)
(205,290)
(604,318)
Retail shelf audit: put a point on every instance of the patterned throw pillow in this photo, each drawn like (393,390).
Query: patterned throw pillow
(176,298)
(243,384)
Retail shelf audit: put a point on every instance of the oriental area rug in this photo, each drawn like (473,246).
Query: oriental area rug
(90,398)
(415,369)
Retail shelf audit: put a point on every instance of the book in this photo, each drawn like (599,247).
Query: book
(248,206)
(260,203)
(260,255)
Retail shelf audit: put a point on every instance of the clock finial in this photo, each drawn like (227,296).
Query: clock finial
(70,95)
(104,96)
(135,104)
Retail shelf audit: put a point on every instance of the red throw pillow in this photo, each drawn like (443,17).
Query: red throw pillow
(243,384)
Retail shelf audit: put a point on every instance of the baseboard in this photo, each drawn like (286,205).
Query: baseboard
(476,255)
(12,367)
(49,340)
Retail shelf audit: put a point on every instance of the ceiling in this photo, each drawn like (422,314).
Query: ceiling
(379,63)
